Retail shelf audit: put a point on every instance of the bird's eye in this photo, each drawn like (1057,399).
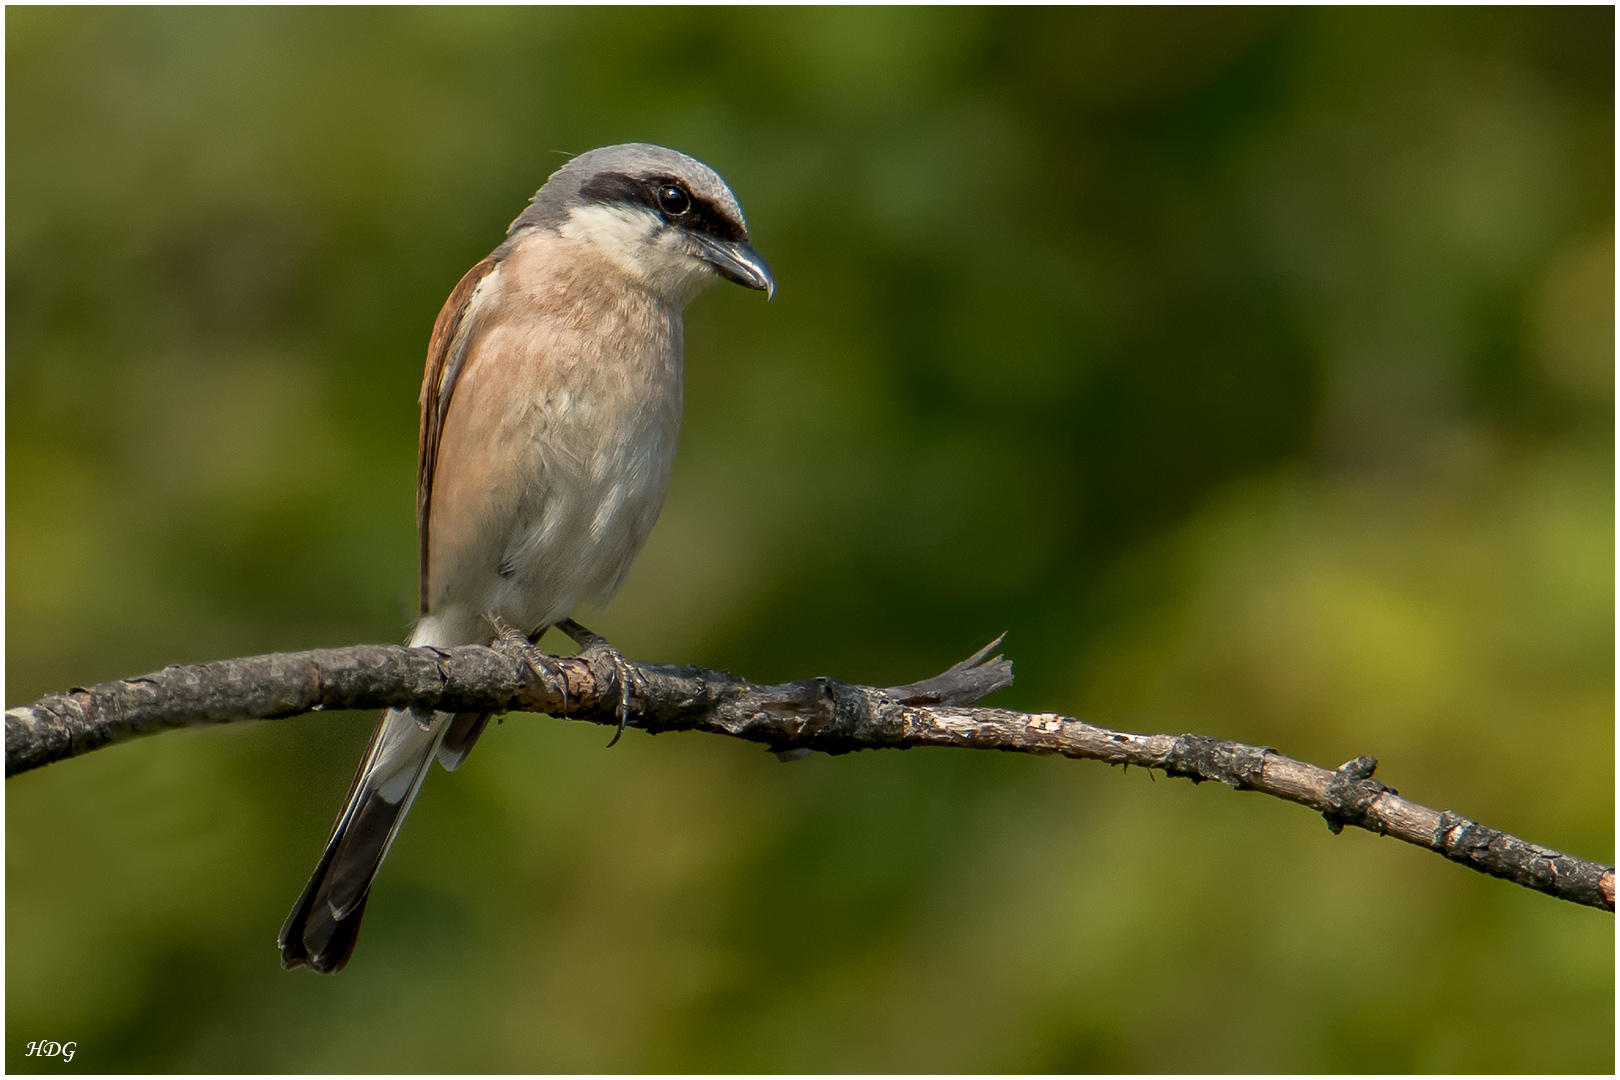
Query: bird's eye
(674,200)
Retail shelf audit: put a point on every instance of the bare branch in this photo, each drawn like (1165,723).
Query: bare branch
(791,719)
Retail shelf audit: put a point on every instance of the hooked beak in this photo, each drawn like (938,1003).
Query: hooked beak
(737,262)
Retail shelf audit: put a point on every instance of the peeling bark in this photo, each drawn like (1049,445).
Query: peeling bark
(792,719)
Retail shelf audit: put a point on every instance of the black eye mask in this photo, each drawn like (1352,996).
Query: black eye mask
(698,215)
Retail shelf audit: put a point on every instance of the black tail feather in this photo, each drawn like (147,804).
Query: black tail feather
(311,936)
(460,738)
(325,923)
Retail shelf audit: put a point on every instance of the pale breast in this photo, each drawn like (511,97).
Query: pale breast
(558,443)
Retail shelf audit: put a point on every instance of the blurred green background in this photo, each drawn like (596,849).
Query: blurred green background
(1253,368)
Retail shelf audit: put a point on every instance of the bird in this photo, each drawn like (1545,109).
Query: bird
(550,410)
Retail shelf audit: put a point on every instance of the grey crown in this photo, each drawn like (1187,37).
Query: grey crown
(563,191)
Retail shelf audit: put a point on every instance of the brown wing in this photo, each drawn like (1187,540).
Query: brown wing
(446,348)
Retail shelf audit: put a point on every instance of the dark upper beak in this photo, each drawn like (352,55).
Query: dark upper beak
(738,262)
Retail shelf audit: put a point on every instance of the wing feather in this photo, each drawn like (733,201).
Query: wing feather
(452,332)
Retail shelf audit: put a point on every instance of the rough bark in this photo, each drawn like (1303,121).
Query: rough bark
(792,719)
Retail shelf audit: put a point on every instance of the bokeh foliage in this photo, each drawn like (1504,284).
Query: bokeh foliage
(1254,368)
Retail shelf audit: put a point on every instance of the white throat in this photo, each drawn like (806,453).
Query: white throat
(637,241)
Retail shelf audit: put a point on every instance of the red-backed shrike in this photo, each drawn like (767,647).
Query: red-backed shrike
(550,411)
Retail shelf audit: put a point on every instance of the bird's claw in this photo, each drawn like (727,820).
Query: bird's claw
(516,641)
(626,677)
(504,630)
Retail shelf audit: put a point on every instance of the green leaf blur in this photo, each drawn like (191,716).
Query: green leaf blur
(1253,368)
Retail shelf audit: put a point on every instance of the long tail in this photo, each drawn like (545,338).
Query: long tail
(323,926)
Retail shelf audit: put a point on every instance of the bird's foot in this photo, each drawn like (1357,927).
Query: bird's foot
(517,643)
(625,675)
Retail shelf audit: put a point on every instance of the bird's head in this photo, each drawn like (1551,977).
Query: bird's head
(667,220)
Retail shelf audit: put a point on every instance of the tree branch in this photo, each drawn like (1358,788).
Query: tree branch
(792,720)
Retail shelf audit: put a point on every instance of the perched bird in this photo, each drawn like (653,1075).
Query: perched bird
(550,411)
